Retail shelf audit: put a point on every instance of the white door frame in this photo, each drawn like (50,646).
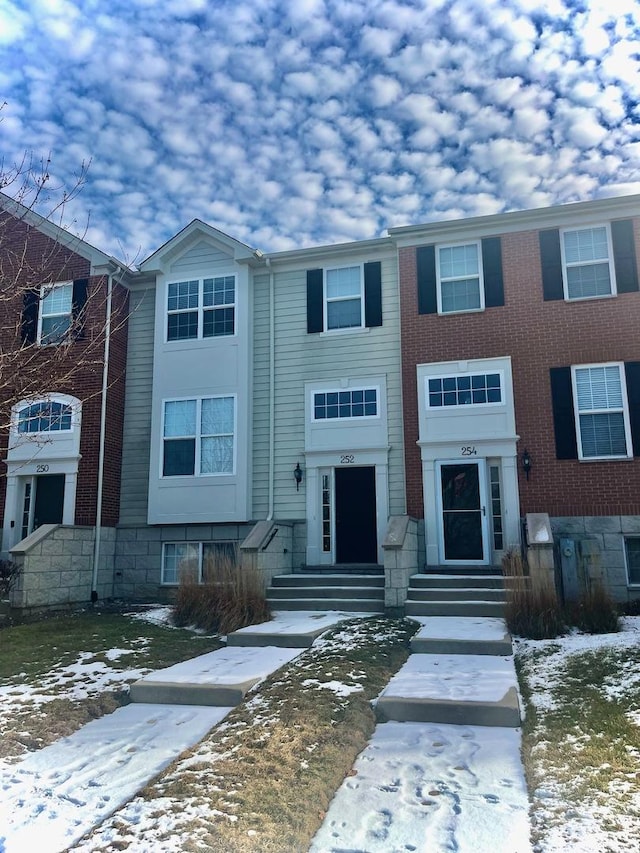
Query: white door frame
(481,464)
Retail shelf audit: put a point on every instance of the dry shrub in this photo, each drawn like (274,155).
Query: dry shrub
(8,576)
(595,611)
(228,598)
(532,609)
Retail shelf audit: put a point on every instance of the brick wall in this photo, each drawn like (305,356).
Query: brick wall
(537,335)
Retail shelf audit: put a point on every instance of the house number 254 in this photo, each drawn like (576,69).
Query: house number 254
(469,450)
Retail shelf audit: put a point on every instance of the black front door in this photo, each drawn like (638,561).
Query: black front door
(462,512)
(356,539)
(49,499)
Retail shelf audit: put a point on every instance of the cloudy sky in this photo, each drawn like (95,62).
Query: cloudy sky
(288,123)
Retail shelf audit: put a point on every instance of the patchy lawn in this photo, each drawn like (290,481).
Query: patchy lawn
(581,740)
(262,779)
(57,674)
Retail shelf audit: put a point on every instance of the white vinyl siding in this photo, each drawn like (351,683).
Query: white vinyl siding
(602,417)
(459,277)
(587,265)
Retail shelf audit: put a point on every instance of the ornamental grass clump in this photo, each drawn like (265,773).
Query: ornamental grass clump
(228,598)
(595,611)
(532,608)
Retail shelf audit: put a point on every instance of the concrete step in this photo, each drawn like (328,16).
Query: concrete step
(457,594)
(327,579)
(217,678)
(454,608)
(294,630)
(328,592)
(464,569)
(351,605)
(345,569)
(437,689)
(422,581)
(462,635)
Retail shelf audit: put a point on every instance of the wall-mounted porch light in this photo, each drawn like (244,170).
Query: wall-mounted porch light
(526,462)
(297,475)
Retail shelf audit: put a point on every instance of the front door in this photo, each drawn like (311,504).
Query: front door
(356,537)
(463,514)
(49,502)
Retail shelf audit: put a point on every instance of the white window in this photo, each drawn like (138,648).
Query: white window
(632,555)
(353,403)
(587,267)
(196,561)
(344,298)
(198,437)
(54,319)
(470,389)
(201,308)
(460,281)
(44,416)
(601,410)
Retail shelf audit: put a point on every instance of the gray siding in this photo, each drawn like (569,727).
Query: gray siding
(203,254)
(137,414)
(260,396)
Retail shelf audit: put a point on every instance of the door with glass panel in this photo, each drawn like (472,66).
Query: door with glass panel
(462,502)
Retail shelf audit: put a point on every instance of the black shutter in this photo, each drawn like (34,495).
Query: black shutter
(624,255)
(564,422)
(30,316)
(426,272)
(314,301)
(551,261)
(373,294)
(632,373)
(492,271)
(78,301)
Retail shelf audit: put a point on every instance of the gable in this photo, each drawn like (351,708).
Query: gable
(204,254)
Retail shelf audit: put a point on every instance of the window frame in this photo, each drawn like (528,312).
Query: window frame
(439,279)
(326,300)
(566,265)
(630,582)
(45,290)
(625,412)
(197,438)
(462,406)
(200,545)
(350,390)
(201,309)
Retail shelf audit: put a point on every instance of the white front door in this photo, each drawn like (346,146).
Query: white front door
(462,511)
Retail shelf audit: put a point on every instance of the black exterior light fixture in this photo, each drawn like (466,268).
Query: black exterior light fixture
(297,475)
(526,462)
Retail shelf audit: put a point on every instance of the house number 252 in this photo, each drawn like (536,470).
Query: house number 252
(469,450)
(347,459)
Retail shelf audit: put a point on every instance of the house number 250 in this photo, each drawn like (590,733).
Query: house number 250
(42,469)
(469,450)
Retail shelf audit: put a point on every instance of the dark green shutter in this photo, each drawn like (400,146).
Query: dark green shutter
(551,261)
(426,274)
(632,374)
(373,294)
(624,255)
(492,271)
(564,421)
(78,301)
(30,316)
(314,301)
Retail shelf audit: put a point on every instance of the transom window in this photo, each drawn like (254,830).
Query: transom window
(343,298)
(354,403)
(632,553)
(45,416)
(459,273)
(587,267)
(196,561)
(56,305)
(601,411)
(199,437)
(201,308)
(466,390)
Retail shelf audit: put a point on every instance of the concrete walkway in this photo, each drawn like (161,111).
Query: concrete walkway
(53,797)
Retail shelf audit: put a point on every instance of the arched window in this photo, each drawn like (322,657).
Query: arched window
(44,416)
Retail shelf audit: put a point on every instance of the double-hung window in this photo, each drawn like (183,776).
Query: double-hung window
(56,304)
(587,265)
(632,554)
(201,308)
(344,297)
(198,437)
(197,561)
(601,410)
(459,276)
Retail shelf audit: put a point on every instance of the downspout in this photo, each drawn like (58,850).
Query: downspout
(103,431)
(272,391)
